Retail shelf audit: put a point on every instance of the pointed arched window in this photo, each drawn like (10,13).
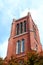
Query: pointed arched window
(18,47)
(24,26)
(21,27)
(17,29)
(22,45)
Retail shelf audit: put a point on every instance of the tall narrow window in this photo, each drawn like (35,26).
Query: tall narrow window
(21,27)
(18,47)
(24,26)
(22,45)
(17,29)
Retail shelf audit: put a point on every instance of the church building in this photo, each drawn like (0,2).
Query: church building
(24,37)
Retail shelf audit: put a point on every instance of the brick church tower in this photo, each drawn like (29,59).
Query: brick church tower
(24,37)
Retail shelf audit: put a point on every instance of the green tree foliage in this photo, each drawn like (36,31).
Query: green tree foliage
(32,59)
(13,61)
(40,62)
(1,61)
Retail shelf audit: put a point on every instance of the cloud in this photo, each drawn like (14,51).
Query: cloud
(1,4)
(3,48)
(8,8)
(32,11)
